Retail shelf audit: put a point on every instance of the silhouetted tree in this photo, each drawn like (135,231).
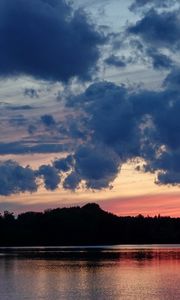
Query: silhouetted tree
(89,225)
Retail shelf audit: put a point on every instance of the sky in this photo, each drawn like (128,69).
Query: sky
(90,105)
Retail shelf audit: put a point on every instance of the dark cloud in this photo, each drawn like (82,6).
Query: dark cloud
(115,61)
(50,176)
(46,40)
(75,129)
(94,165)
(111,124)
(97,169)
(32,129)
(172,81)
(64,164)
(168,178)
(155,36)
(32,93)
(159,60)
(22,147)
(16,179)
(72,181)
(21,107)
(12,107)
(123,125)
(48,120)
(158,29)
(167,164)
(119,125)
(109,116)
(167,123)
(18,120)
(146,3)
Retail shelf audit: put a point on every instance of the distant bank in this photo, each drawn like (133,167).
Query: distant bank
(89,225)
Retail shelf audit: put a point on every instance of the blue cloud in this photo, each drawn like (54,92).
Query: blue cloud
(32,93)
(48,120)
(155,36)
(111,124)
(97,166)
(18,120)
(122,125)
(50,176)
(159,60)
(16,179)
(47,40)
(158,29)
(63,164)
(22,147)
(72,181)
(110,116)
(172,81)
(137,4)
(115,61)
(119,125)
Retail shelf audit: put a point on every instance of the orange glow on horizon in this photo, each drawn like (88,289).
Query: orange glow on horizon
(133,193)
(165,205)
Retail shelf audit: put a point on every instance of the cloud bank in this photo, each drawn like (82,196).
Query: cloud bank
(111,124)
(120,125)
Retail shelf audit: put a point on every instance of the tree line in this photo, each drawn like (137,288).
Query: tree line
(87,225)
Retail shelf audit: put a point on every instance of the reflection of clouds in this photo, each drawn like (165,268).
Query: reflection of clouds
(156,278)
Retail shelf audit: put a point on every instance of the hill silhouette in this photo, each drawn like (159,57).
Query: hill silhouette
(88,225)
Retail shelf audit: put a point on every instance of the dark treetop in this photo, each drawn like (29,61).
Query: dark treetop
(89,225)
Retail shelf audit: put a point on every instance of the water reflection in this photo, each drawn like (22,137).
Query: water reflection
(120,272)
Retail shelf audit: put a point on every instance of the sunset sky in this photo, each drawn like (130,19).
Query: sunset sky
(90,105)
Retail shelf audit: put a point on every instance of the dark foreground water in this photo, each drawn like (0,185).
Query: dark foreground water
(112,272)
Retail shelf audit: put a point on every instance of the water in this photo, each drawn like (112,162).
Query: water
(112,272)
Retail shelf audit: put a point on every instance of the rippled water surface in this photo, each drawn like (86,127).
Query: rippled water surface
(112,272)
